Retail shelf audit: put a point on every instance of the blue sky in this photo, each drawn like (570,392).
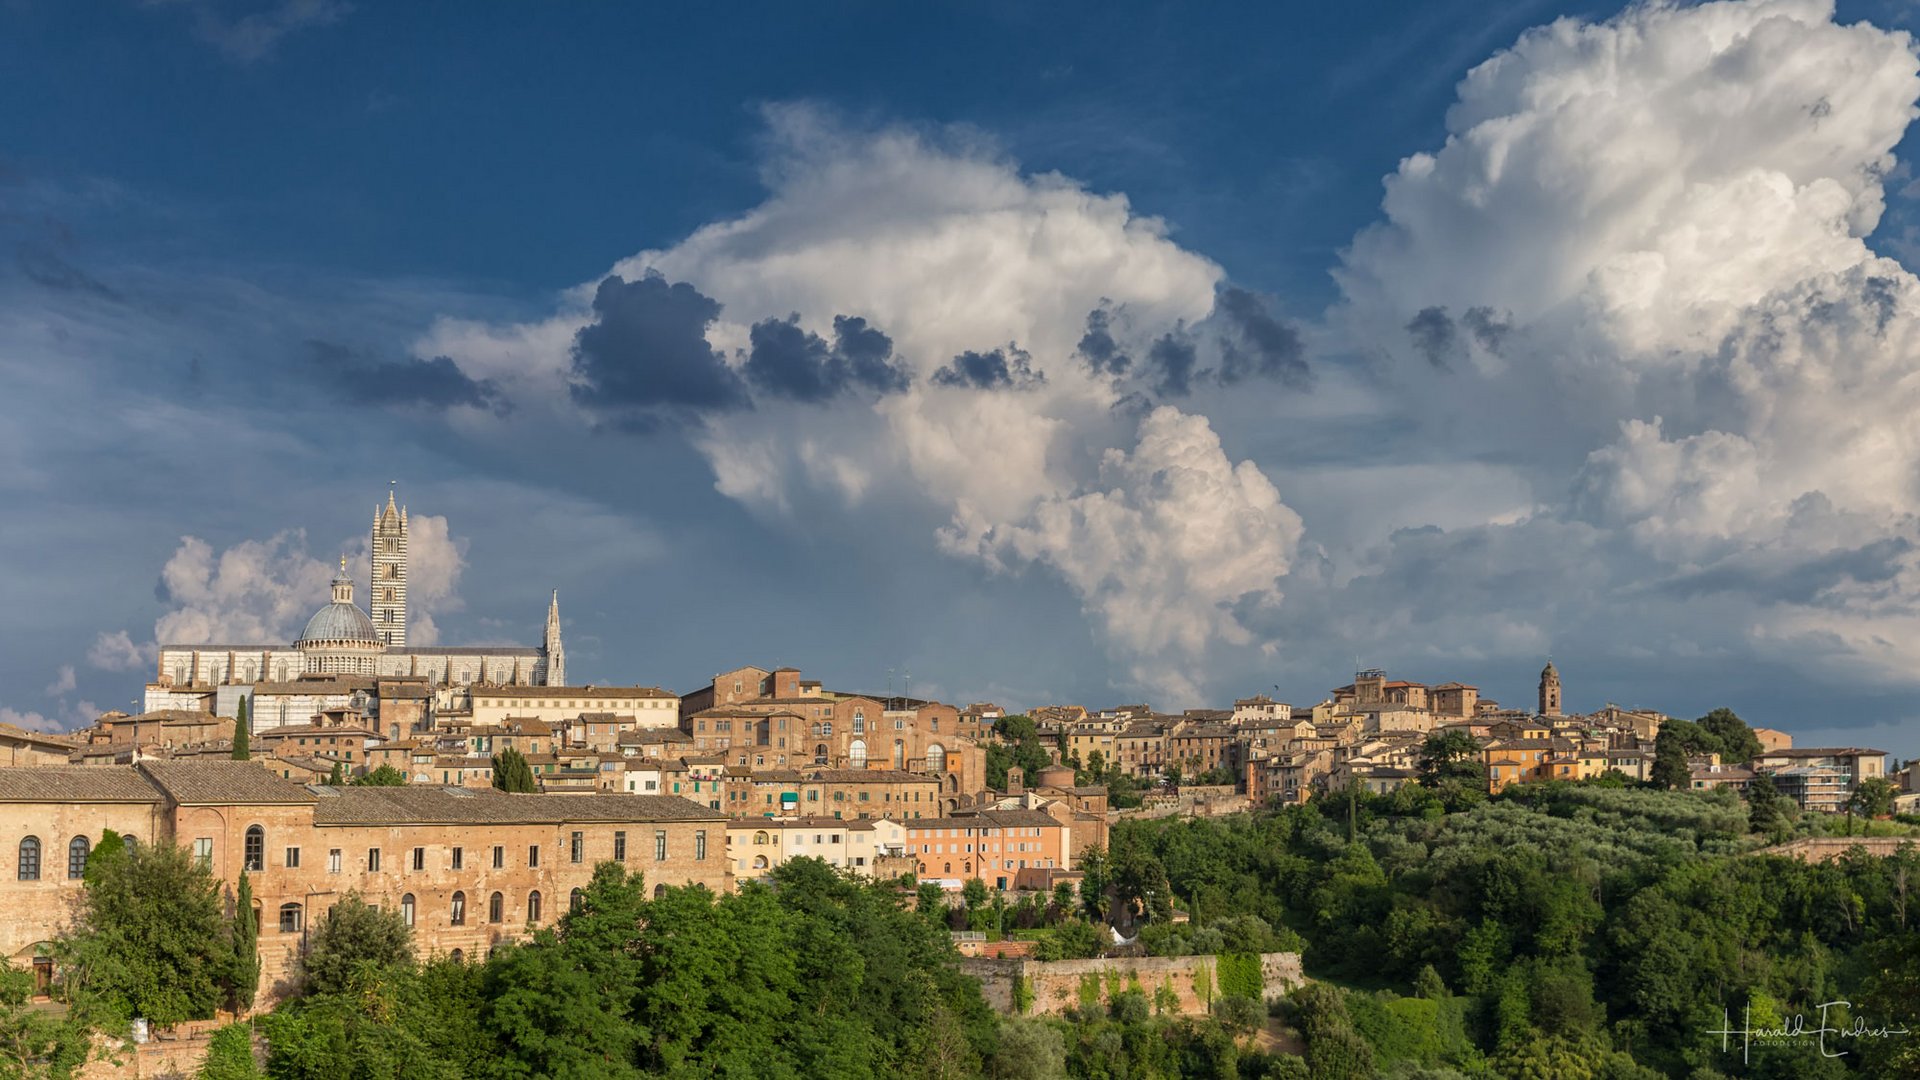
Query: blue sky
(241,238)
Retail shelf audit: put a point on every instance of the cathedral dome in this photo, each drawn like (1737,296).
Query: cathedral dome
(340,621)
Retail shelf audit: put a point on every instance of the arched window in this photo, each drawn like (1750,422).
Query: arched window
(256,851)
(290,921)
(77,853)
(936,757)
(496,908)
(859,722)
(857,753)
(759,862)
(459,909)
(947,868)
(457,956)
(659,891)
(576,900)
(406,909)
(533,906)
(762,838)
(30,859)
(826,729)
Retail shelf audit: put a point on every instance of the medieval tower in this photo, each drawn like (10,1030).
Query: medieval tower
(556,653)
(1549,690)
(387,589)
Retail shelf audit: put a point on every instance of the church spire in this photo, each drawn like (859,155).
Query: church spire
(556,653)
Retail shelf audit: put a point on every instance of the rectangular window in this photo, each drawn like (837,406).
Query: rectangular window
(659,844)
(419,858)
(203,851)
(293,858)
(577,847)
(619,847)
(333,860)
(533,855)
(499,857)
(373,860)
(459,858)
(700,843)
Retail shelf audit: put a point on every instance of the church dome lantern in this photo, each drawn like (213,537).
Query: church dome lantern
(340,638)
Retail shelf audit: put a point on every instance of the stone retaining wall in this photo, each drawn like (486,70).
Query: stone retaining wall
(1059,985)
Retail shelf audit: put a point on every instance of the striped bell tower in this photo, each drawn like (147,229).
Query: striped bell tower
(387,588)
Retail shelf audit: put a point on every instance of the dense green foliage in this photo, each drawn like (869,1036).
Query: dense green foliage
(814,975)
(354,945)
(34,1043)
(1586,930)
(230,1055)
(241,733)
(384,776)
(512,773)
(150,939)
(1019,744)
(243,954)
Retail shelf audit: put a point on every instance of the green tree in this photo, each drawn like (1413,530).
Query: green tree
(1450,755)
(242,732)
(338,777)
(354,947)
(230,1055)
(1737,741)
(1670,769)
(1078,939)
(384,776)
(33,1041)
(512,773)
(1028,1050)
(1873,797)
(149,940)
(243,975)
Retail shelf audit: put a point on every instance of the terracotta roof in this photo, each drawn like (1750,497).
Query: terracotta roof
(871,776)
(14,731)
(998,819)
(219,783)
(75,783)
(573,691)
(433,805)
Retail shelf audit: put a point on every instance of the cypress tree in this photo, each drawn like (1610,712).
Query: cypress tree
(241,752)
(337,777)
(245,976)
(512,773)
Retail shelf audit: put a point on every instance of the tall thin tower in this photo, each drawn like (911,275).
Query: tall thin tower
(387,588)
(556,652)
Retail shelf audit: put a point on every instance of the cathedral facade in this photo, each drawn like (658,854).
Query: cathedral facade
(343,639)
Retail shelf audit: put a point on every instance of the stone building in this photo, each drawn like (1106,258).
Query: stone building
(467,869)
(761,719)
(994,845)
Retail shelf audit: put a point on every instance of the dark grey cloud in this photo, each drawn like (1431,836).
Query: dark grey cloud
(1488,329)
(47,269)
(1794,579)
(785,360)
(1006,368)
(1256,344)
(645,358)
(364,379)
(1102,352)
(1434,336)
(1172,359)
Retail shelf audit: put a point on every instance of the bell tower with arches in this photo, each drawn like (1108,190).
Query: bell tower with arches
(387,588)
